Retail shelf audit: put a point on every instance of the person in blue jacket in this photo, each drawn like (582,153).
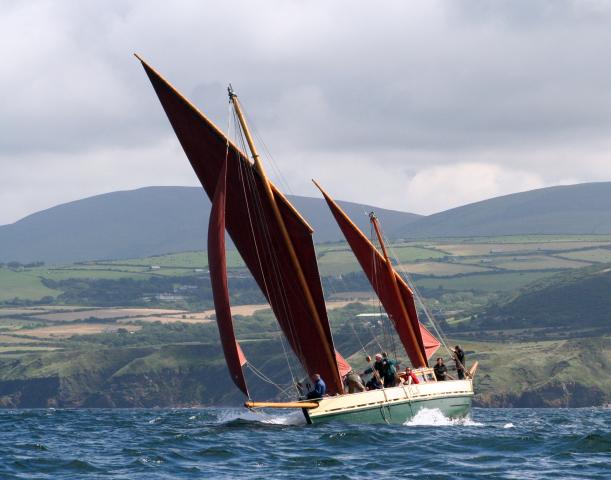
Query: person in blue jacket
(319,389)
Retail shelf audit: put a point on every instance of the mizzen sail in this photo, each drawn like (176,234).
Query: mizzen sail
(252,222)
(394,294)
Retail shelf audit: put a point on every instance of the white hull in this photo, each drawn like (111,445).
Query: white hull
(396,404)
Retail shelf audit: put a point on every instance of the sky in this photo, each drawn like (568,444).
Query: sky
(418,106)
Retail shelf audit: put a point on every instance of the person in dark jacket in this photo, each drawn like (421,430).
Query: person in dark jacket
(390,372)
(459,360)
(319,389)
(378,366)
(441,371)
(377,369)
(374,382)
(386,368)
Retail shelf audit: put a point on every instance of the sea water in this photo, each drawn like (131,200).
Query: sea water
(236,443)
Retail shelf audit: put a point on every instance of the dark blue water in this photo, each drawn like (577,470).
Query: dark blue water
(222,443)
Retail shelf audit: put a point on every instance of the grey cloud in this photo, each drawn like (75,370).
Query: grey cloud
(397,85)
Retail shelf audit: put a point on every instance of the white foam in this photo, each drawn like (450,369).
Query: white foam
(287,418)
(433,417)
(508,425)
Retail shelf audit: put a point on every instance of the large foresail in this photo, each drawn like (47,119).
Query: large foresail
(217,263)
(252,224)
(393,292)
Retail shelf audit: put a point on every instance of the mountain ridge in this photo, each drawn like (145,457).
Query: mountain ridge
(146,221)
(160,220)
(583,208)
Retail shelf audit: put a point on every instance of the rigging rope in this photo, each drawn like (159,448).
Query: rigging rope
(429,315)
(266,379)
(357,337)
(247,178)
(281,178)
(388,329)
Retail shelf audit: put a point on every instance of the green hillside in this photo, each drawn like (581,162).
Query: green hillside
(114,358)
(160,220)
(572,209)
(578,298)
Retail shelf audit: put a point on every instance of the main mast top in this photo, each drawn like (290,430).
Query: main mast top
(233,98)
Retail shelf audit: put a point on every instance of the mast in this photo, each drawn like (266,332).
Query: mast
(390,288)
(328,351)
(391,272)
(255,231)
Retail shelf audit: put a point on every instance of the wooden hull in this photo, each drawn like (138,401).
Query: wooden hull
(395,405)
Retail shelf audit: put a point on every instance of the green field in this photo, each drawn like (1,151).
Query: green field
(490,282)
(94,273)
(602,255)
(24,285)
(442,269)
(532,262)
(408,253)
(337,262)
(482,264)
(183,260)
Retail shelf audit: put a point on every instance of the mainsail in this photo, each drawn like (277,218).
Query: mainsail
(394,294)
(252,222)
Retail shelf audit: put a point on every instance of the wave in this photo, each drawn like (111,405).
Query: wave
(261,416)
(433,417)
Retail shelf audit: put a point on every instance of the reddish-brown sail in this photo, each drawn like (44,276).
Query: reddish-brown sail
(250,221)
(431,344)
(342,364)
(393,292)
(217,263)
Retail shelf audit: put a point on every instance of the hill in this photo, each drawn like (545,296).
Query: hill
(166,358)
(159,220)
(575,298)
(573,209)
(144,222)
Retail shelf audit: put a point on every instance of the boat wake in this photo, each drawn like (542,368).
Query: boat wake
(433,417)
(288,418)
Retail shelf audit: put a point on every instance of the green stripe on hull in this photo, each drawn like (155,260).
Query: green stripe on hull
(398,413)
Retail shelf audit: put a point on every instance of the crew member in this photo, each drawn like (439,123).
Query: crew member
(374,382)
(386,368)
(319,389)
(390,371)
(459,360)
(378,366)
(410,376)
(355,382)
(441,371)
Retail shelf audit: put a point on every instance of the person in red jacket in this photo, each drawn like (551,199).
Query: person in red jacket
(410,376)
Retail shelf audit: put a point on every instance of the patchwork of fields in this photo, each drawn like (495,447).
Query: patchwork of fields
(495,264)
(24,330)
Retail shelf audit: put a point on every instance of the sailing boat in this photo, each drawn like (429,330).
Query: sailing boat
(276,244)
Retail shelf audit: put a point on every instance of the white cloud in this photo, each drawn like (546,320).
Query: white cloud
(438,188)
